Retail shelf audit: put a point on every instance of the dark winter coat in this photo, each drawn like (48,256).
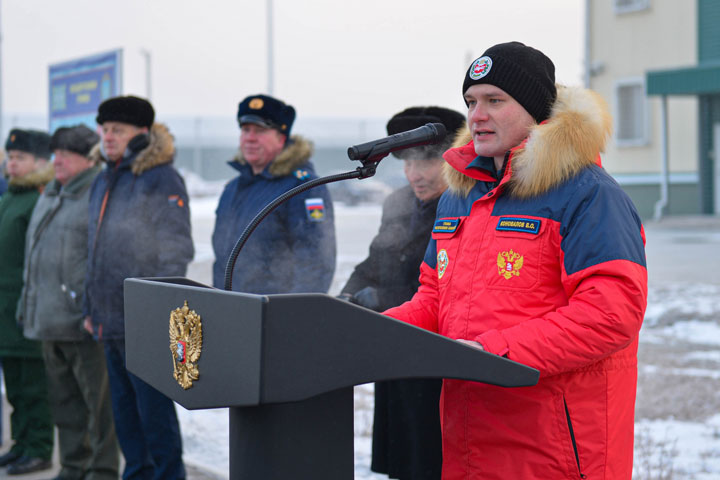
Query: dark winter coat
(3,185)
(406,427)
(293,249)
(56,262)
(16,207)
(142,231)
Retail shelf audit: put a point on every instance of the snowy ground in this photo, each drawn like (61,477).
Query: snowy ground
(678,406)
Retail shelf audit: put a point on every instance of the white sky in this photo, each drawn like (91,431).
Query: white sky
(367,58)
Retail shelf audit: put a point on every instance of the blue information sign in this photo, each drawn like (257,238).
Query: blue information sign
(77,87)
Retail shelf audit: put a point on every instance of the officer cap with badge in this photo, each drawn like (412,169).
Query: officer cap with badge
(267,112)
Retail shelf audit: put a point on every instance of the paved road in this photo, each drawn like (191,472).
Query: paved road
(683,250)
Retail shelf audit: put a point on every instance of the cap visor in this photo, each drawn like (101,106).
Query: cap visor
(256,120)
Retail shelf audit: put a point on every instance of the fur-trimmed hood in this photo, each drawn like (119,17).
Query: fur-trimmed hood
(555,150)
(160,150)
(36,179)
(296,154)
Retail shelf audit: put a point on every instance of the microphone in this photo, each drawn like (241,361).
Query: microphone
(378,149)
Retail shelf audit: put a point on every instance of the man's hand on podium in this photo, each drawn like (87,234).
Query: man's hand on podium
(471,343)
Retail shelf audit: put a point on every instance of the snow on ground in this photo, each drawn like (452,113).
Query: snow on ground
(679,437)
(679,352)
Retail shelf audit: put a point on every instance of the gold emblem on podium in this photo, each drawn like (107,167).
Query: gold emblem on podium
(185,344)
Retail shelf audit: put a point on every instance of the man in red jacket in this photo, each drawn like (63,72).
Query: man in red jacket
(536,255)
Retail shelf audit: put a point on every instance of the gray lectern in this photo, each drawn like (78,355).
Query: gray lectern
(286,365)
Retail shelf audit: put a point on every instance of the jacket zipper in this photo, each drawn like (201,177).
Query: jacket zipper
(572,438)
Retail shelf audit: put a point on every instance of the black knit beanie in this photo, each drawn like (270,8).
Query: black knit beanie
(522,72)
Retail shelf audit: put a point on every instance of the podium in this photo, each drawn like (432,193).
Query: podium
(285,366)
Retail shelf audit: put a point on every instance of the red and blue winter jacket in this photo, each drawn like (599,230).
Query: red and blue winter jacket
(546,267)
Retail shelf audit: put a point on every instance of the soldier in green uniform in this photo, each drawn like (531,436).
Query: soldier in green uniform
(25,382)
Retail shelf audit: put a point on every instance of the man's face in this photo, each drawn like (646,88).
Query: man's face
(496,120)
(260,145)
(116,136)
(425,177)
(20,163)
(68,164)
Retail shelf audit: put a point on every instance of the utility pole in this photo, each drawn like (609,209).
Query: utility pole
(270,60)
(2,133)
(148,73)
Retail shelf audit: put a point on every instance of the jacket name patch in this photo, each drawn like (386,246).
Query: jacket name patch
(514,224)
(446,225)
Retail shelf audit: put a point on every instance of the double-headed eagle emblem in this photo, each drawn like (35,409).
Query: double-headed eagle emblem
(509,264)
(185,344)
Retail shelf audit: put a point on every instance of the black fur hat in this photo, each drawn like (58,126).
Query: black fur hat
(30,141)
(266,111)
(522,72)
(79,139)
(133,110)
(415,117)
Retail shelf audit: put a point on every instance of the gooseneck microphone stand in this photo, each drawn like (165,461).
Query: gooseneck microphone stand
(367,170)
(369,154)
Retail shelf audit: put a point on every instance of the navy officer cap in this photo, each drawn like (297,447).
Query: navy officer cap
(267,112)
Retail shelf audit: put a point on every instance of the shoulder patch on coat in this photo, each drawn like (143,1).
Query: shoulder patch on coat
(301,174)
(442,262)
(315,209)
(177,200)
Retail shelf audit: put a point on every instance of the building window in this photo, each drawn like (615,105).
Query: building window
(625,6)
(631,119)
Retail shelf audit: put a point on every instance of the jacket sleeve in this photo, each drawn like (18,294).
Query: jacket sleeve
(604,277)
(422,309)
(170,221)
(366,273)
(93,212)
(311,231)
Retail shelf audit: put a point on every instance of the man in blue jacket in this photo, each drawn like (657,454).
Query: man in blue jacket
(293,249)
(139,226)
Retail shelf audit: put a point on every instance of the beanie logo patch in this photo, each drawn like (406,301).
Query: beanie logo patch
(256,103)
(480,68)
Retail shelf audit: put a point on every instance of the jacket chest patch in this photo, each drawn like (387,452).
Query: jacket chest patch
(442,262)
(315,209)
(509,264)
(515,224)
(446,225)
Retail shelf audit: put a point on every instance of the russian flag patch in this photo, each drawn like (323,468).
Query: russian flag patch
(315,209)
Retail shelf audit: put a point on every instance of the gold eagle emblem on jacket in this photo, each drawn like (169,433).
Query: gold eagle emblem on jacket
(185,344)
(509,264)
